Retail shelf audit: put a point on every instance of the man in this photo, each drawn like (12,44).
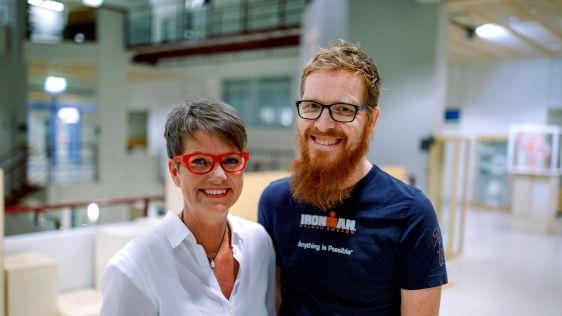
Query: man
(350,239)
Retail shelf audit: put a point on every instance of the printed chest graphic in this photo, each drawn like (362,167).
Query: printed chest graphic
(329,223)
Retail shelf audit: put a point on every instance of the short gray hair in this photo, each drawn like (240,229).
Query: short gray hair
(206,115)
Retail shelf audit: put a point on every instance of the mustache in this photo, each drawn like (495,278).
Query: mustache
(314,131)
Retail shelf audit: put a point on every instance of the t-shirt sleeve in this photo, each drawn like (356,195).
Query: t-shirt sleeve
(422,259)
(121,297)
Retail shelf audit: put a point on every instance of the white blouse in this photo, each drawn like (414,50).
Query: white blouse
(166,272)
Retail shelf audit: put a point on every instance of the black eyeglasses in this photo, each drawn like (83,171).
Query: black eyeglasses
(339,112)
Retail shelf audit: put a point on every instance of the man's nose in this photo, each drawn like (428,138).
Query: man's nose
(325,121)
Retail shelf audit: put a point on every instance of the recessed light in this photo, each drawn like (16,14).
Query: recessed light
(491,31)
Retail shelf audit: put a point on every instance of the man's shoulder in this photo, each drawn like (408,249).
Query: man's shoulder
(282,183)
(277,188)
(386,190)
(385,185)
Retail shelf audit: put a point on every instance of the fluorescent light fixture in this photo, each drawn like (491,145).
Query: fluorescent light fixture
(53,5)
(69,115)
(37,3)
(93,3)
(193,4)
(490,31)
(55,84)
(93,212)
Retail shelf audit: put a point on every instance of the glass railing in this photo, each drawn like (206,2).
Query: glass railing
(20,219)
(63,166)
(171,22)
(54,22)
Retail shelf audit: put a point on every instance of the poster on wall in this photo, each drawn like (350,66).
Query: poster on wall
(534,149)
(492,176)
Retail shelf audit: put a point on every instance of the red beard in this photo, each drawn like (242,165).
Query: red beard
(320,182)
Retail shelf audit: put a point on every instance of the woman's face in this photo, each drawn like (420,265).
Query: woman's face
(211,194)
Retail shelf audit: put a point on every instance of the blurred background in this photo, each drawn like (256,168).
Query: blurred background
(471,111)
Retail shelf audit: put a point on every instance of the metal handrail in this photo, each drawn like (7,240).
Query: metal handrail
(8,155)
(40,208)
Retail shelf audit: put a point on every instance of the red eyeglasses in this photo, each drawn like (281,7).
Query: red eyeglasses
(201,163)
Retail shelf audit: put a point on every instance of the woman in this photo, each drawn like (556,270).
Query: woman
(202,261)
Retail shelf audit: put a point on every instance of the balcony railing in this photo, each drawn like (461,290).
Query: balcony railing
(171,22)
(71,21)
(32,218)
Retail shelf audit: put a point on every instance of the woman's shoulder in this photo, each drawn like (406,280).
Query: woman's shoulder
(248,228)
(142,249)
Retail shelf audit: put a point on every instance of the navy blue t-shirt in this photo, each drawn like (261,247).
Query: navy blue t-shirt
(355,258)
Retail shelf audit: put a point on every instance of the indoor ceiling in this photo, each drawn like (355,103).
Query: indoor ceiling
(533,29)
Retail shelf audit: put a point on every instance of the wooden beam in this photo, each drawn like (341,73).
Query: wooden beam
(518,35)
(532,16)
(480,50)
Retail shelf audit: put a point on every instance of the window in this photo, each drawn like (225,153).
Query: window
(261,102)
(137,131)
(3,12)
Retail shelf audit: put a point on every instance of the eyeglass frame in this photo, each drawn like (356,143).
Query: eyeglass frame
(328,106)
(184,160)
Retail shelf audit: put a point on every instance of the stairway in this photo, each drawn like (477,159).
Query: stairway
(16,184)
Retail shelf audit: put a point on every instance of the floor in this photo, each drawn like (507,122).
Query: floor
(505,269)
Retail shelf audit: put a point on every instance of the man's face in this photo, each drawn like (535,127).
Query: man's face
(324,139)
(330,151)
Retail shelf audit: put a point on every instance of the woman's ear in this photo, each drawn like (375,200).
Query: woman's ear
(174,172)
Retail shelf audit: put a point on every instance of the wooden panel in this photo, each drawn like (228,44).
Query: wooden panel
(533,29)
(31,285)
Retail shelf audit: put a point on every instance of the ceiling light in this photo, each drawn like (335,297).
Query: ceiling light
(55,84)
(490,31)
(37,3)
(53,5)
(93,212)
(93,3)
(69,115)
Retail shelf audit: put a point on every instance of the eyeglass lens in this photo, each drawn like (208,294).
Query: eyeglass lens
(340,111)
(204,163)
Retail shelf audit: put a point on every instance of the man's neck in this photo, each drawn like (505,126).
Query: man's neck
(360,172)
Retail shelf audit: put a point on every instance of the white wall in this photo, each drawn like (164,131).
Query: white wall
(494,95)
(72,249)
(203,77)
(323,23)
(407,43)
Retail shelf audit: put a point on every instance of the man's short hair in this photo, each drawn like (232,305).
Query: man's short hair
(348,57)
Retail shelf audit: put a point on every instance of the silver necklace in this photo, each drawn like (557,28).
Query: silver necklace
(212,260)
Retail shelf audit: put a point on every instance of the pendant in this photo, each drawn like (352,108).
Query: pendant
(212,263)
